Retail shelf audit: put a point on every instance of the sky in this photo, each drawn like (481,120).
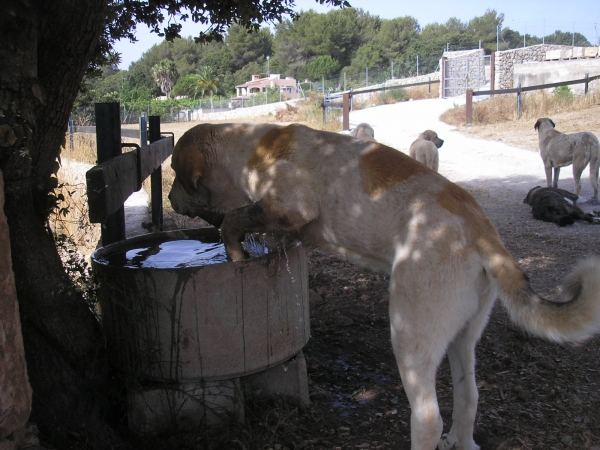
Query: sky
(534,17)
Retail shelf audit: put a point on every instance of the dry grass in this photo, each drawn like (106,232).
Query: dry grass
(83,149)
(71,218)
(503,108)
(392,96)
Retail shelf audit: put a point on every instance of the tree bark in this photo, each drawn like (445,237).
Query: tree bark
(46,48)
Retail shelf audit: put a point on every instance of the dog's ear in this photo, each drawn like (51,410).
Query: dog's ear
(554,126)
(537,124)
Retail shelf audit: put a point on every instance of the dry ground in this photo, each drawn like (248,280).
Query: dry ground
(521,133)
(533,394)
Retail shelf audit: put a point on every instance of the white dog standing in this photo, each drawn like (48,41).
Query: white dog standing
(425,149)
(367,201)
(559,150)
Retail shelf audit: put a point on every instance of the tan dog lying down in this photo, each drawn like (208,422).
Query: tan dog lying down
(425,149)
(363,131)
(559,150)
(364,200)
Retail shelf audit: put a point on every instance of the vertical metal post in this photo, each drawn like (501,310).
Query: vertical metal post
(587,75)
(392,70)
(346,111)
(71,133)
(469,106)
(143,132)
(108,144)
(519,101)
(443,77)
(417,65)
(344,80)
(367,72)
(492,72)
(383,93)
(155,177)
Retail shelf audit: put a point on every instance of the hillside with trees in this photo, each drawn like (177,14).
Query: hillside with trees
(312,46)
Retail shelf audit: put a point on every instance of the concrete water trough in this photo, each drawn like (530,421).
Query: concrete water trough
(193,333)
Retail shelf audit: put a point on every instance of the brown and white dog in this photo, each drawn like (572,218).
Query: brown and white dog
(364,200)
(425,149)
(363,131)
(559,150)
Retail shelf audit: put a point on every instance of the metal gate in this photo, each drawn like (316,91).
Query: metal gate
(469,72)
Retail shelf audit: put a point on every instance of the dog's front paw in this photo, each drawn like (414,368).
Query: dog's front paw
(446,442)
(235,254)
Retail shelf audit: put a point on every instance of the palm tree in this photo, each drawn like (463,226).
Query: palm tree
(165,75)
(207,82)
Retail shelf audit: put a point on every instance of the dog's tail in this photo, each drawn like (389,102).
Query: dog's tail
(574,317)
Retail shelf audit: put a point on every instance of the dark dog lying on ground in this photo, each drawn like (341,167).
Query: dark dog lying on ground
(557,206)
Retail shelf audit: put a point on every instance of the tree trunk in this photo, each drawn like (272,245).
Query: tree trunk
(45,51)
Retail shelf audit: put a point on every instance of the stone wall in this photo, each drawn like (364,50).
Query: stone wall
(505,61)
(15,392)
(464,70)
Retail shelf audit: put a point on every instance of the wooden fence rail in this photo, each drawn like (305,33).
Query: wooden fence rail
(518,90)
(119,175)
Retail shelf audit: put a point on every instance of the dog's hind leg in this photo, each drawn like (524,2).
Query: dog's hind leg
(555,179)
(461,355)
(594,169)
(418,370)
(422,325)
(578,166)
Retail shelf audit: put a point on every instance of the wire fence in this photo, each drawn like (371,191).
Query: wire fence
(171,111)
(407,68)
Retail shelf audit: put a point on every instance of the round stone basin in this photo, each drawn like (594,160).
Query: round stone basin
(173,309)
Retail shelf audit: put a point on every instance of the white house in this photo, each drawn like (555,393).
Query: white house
(287,86)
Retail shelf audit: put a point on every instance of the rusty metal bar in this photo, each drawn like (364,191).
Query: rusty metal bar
(469,106)
(346,112)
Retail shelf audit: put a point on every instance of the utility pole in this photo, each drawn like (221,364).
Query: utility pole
(497,35)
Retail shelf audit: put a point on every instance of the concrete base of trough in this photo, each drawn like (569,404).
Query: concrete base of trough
(185,406)
(215,404)
(288,380)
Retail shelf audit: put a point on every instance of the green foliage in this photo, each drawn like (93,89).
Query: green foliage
(369,55)
(165,76)
(563,93)
(207,81)
(564,38)
(396,35)
(187,86)
(322,66)
(245,47)
(311,46)
(399,95)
